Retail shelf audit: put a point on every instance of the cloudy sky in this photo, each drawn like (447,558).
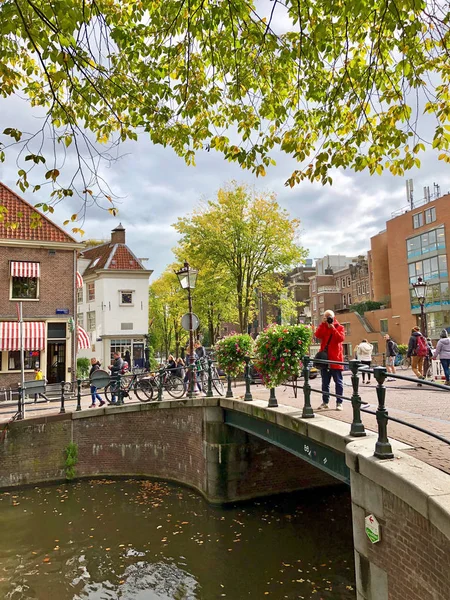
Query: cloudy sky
(156,187)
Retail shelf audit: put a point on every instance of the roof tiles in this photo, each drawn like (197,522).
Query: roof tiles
(23,215)
(111,257)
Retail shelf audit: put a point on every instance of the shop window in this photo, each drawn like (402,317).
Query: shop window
(418,220)
(90,291)
(32,360)
(121,346)
(430,215)
(90,316)
(24,288)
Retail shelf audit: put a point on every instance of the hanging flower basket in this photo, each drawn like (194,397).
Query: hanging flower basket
(279,350)
(230,353)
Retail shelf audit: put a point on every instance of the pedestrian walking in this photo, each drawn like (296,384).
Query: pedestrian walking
(443,353)
(39,376)
(417,351)
(364,355)
(116,369)
(95,366)
(428,358)
(331,335)
(391,355)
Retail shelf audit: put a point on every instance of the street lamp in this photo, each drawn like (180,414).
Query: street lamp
(420,288)
(188,278)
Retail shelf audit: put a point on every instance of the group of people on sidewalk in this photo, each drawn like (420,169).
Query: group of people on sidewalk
(420,350)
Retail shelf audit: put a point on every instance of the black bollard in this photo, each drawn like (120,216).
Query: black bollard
(78,394)
(272,399)
(20,404)
(383,448)
(160,384)
(210,390)
(248,394)
(62,409)
(191,381)
(357,427)
(229,393)
(120,400)
(308,412)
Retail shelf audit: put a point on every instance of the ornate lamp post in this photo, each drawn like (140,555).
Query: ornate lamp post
(188,278)
(420,288)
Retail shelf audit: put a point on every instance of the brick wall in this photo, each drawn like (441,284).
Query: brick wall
(414,554)
(56,286)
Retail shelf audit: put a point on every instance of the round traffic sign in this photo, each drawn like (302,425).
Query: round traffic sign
(100,378)
(185,321)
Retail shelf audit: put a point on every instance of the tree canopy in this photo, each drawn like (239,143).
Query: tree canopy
(247,237)
(336,83)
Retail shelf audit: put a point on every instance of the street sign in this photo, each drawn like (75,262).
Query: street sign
(185,322)
(372,529)
(62,311)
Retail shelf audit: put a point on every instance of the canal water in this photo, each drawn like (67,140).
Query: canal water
(146,540)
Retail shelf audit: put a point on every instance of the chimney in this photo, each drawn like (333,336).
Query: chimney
(118,235)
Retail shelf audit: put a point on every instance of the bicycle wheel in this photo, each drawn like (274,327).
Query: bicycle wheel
(112,389)
(143,390)
(405,364)
(217,382)
(175,386)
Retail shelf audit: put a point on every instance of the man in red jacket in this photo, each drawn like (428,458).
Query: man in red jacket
(331,335)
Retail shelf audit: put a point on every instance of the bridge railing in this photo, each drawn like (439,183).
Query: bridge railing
(383,447)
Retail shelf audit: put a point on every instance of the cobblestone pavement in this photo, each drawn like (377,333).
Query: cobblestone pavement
(420,406)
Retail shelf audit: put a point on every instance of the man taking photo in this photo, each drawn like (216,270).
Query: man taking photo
(331,335)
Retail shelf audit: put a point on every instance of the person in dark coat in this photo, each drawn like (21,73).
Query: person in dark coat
(127,359)
(95,366)
(331,335)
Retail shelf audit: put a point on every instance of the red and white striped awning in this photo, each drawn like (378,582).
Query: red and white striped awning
(25,269)
(33,335)
(83,339)
(79,280)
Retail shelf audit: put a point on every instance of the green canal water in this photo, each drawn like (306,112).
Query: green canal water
(146,540)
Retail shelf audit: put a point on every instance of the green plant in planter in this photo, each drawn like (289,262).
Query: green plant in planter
(279,350)
(83,367)
(71,453)
(230,353)
(402,349)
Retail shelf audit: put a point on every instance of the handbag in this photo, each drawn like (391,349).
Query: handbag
(322,355)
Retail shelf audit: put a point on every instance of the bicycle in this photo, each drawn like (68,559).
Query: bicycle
(202,373)
(171,383)
(404,363)
(142,387)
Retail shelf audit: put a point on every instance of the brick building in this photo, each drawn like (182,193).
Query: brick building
(38,268)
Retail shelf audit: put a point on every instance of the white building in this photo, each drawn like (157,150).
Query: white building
(113,301)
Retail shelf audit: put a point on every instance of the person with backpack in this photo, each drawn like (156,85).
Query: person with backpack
(443,353)
(95,366)
(391,354)
(117,368)
(417,351)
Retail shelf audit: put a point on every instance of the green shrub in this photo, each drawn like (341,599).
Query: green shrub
(362,307)
(402,349)
(71,453)
(83,367)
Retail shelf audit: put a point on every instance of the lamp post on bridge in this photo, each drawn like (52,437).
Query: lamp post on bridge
(188,278)
(420,289)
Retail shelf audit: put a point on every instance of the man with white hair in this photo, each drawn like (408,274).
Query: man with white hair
(331,335)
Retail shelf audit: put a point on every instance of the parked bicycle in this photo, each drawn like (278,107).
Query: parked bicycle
(202,374)
(141,386)
(170,383)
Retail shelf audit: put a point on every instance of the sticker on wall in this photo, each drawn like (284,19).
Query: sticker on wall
(372,529)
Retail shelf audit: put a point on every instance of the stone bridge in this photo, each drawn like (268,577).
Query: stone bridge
(231,450)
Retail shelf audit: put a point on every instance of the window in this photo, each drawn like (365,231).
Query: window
(80,295)
(427,242)
(349,282)
(90,320)
(121,346)
(430,215)
(126,298)
(418,220)
(344,300)
(358,290)
(90,291)
(343,283)
(313,285)
(24,288)
(32,359)
(437,294)
(315,303)
(383,325)
(126,326)
(346,327)
(430,268)
(349,301)
(320,299)
(375,347)
(80,319)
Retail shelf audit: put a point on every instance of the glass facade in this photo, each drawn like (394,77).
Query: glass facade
(437,321)
(437,294)
(431,241)
(430,268)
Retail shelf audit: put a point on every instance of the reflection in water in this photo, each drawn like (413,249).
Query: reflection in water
(141,540)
